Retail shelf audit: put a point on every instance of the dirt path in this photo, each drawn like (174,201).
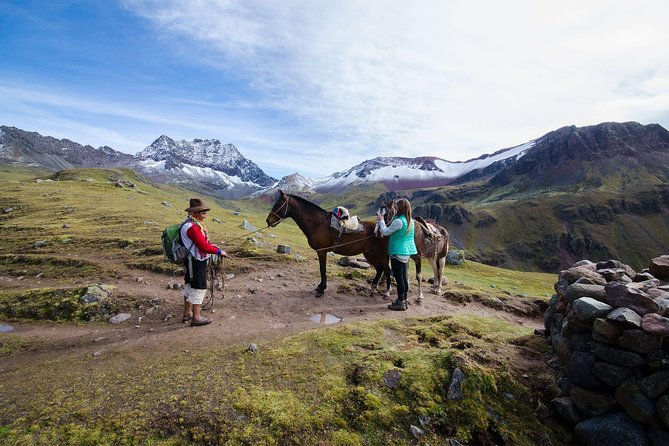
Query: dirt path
(269,300)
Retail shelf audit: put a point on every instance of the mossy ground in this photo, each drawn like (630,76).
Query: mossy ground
(319,387)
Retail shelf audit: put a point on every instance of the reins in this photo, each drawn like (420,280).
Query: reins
(285,203)
(343,244)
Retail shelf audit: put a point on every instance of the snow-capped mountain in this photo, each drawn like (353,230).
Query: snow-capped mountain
(220,168)
(409,173)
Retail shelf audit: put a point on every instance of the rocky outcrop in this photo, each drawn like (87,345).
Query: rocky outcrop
(609,329)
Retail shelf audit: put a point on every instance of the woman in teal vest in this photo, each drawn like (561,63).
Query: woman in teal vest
(401,247)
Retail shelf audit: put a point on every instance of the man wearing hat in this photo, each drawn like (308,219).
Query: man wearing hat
(195,239)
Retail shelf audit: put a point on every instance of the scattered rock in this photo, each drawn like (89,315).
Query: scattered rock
(248,226)
(120,318)
(416,431)
(455,388)
(253,349)
(455,257)
(283,249)
(391,378)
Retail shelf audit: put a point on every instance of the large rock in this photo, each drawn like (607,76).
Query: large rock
(611,429)
(592,403)
(616,264)
(640,341)
(579,371)
(654,385)
(578,290)
(611,374)
(626,316)
(635,403)
(659,267)
(619,356)
(619,295)
(587,309)
(455,257)
(615,274)
(655,324)
(604,330)
(572,274)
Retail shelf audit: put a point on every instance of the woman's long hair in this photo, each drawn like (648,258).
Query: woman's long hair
(403,207)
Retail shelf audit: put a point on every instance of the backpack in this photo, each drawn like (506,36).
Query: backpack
(173,248)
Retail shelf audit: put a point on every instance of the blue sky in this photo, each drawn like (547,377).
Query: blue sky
(318,86)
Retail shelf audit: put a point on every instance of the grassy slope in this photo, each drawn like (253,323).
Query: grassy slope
(531,222)
(322,386)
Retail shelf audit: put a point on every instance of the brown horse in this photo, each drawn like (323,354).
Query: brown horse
(315,224)
(432,243)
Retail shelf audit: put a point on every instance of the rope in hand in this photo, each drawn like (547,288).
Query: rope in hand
(215,280)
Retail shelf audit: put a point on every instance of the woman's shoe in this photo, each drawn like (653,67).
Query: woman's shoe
(398,305)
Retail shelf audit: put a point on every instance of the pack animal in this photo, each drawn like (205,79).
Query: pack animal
(432,243)
(315,224)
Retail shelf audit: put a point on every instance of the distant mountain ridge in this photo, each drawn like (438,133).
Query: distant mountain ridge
(31,148)
(219,169)
(398,173)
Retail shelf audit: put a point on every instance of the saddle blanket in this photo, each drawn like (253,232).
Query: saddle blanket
(351,224)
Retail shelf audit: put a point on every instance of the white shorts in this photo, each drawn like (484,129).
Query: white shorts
(195,296)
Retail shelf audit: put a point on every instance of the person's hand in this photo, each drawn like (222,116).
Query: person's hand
(379,217)
(223,254)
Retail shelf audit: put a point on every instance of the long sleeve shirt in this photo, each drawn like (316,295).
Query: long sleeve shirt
(196,241)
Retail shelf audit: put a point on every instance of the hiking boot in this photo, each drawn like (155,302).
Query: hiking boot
(398,305)
(200,322)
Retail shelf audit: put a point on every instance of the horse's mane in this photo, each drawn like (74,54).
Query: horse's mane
(307,202)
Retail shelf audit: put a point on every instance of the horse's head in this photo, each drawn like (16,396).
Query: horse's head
(391,211)
(280,210)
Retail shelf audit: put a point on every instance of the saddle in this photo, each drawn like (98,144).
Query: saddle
(342,222)
(430,230)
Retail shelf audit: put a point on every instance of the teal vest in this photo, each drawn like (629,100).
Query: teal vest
(401,242)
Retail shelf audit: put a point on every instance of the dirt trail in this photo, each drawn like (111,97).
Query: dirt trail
(268,301)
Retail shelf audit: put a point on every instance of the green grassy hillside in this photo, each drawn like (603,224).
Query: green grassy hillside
(549,229)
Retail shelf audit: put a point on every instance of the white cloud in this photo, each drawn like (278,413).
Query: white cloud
(434,77)
(344,81)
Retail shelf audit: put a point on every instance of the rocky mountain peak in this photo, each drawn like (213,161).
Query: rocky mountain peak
(587,156)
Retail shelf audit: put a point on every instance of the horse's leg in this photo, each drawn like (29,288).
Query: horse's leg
(322,262)
(435,272)
(419,278)
(441,264)
(375,282)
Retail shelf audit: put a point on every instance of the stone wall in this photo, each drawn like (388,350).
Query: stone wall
(609,328)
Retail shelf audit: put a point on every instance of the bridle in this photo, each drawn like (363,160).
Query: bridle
(285,212)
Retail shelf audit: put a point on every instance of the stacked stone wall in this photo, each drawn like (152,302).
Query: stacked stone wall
(609,328)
